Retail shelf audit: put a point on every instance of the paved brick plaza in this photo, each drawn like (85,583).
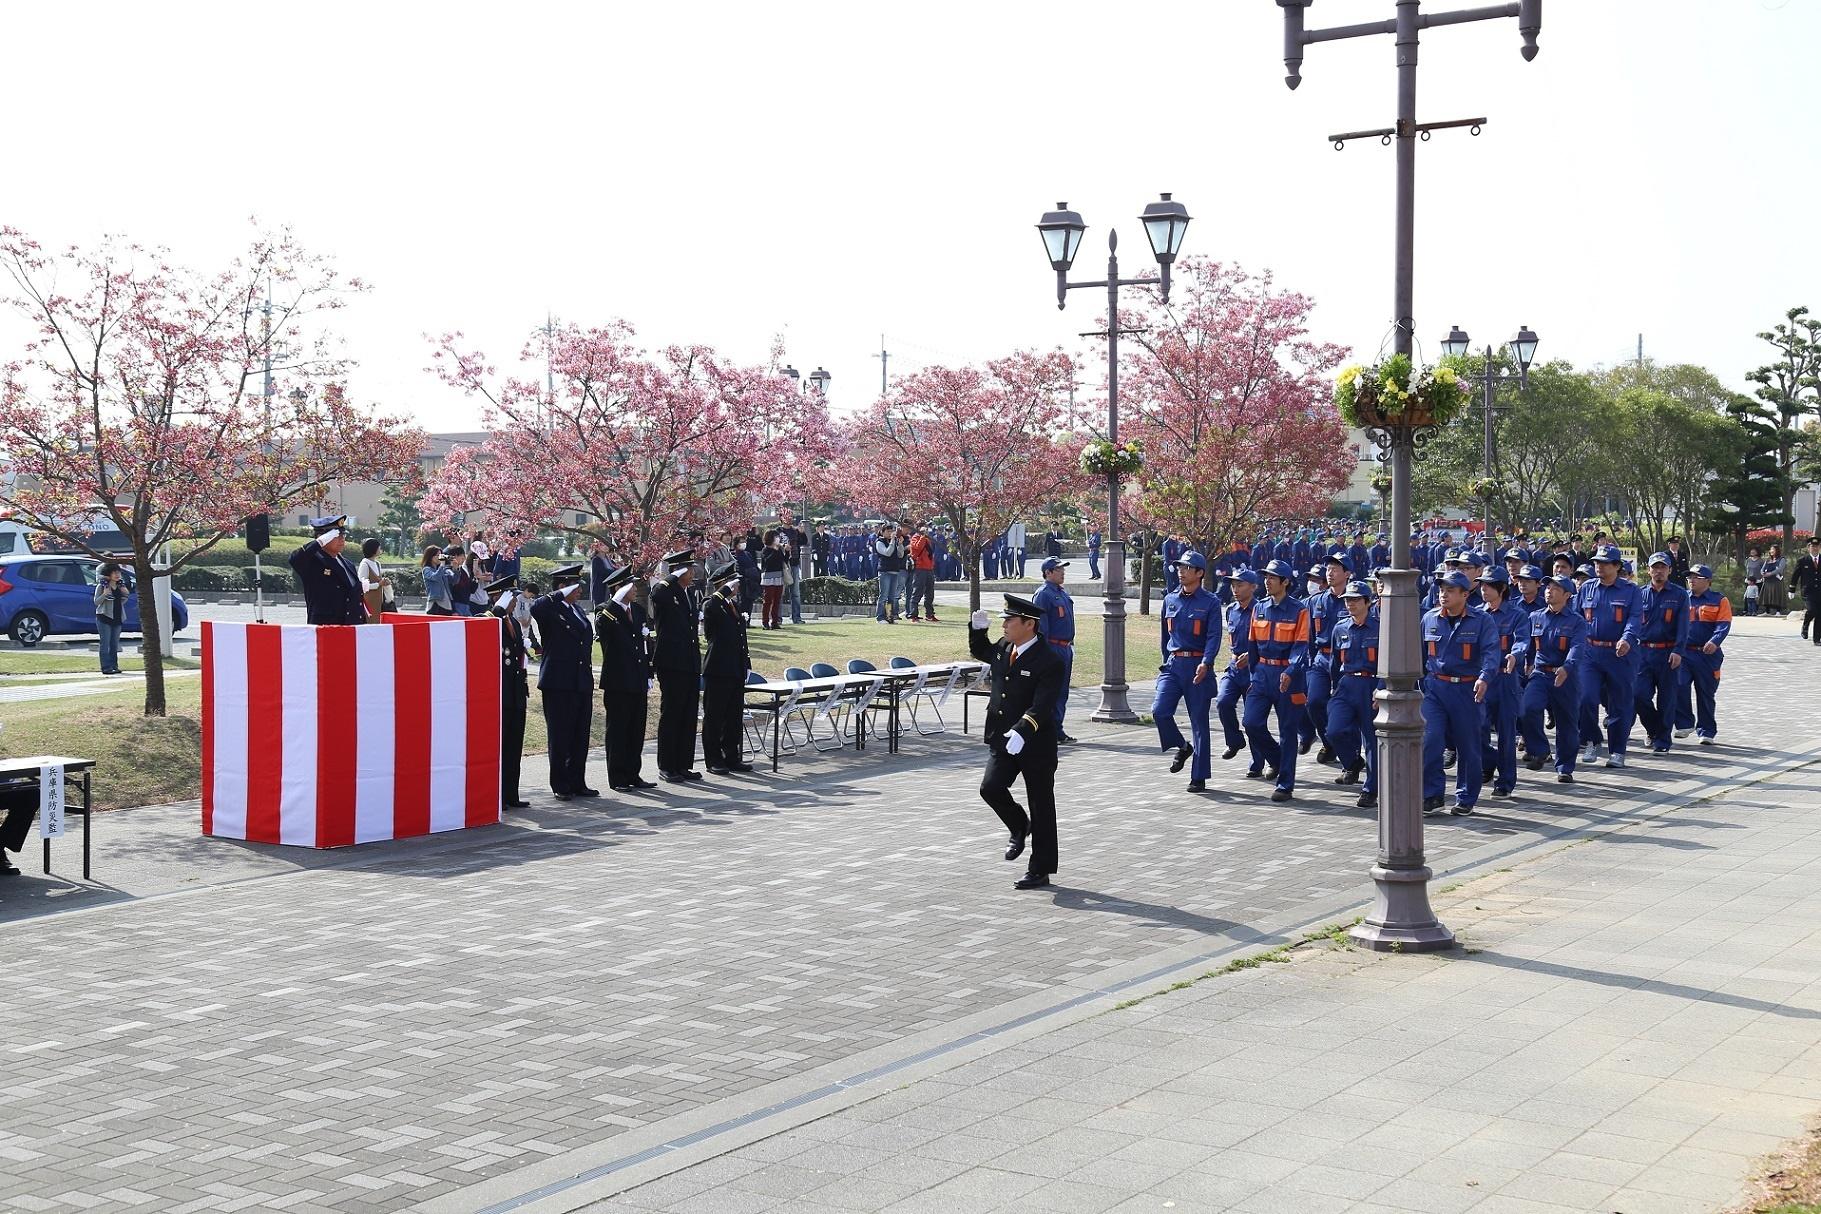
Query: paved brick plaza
(468,1020)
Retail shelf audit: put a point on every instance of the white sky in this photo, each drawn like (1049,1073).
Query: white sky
(721,172)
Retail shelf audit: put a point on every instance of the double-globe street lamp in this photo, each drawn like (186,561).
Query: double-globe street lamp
(806,556)
(1489,377)
(1401,918)
(1165,222)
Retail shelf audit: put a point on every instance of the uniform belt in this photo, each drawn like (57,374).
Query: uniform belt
(1187,653)
(1327,649)
(1363,674)
(1659,644)
(1456,678)
(1274,661)
(1542,669)
(1054,641)
(1601,644)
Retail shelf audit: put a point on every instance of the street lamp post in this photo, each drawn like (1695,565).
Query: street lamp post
(1401,918)
(1523,349)
(1165,222)
(806,556)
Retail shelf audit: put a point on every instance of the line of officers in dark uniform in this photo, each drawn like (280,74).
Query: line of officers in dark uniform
(1508,655)
(659,639)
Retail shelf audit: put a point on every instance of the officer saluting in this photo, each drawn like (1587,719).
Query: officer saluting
(625,677)
(724,670)
(514,690)
(677,659)
(1020,732)
(566,679)
(331,588)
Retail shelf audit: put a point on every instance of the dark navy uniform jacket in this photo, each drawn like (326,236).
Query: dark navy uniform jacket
(330,587)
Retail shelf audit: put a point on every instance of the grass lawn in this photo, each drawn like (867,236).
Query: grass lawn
(147,760)
(26,661)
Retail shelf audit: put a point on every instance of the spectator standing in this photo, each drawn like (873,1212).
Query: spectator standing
(1094,554)
(1754,580)
(482,565)
(820,551)
(439,581)
(110,612)
(1014,550)
(462,585)
(1771,591)
(771,581)
(922,576)
(506,560)
(746,560)
(375,586)
(599,567)
(793,583)
(890,551)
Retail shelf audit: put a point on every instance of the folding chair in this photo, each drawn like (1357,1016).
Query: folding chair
(921,690)
(752,717)
(826,706)
(864,695)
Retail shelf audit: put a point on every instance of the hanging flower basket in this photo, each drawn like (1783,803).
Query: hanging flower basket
(1483,488)
(1101,457)
(1381,483)
(1393,393)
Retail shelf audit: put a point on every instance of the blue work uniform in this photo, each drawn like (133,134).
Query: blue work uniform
(1504,698)
(1277,648)
(1171,550)
(1381,558)
(1709,619)
(1191,641)
(1606,678)
(1094,555)
(1301,552)
(1058,629)
(1261,552)
(1235,679)
(1281,550)
(1326,609)
(1353,667)
(1557,641)
(1458,651)
(1662,633)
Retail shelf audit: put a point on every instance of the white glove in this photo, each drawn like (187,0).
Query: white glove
(1014,742)
(977,620)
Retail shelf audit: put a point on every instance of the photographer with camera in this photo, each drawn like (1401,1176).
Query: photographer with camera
(439,581)
(110,612)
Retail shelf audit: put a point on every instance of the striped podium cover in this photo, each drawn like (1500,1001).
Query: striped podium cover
(328,736)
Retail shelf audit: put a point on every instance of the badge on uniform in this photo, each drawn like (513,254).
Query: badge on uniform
(1025,673)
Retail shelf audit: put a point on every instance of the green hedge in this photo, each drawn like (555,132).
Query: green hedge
(839,592)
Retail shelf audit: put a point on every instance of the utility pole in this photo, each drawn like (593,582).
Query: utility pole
(884,356)
(1640,351)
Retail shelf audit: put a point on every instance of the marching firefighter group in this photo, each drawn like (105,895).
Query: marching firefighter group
(1510,655)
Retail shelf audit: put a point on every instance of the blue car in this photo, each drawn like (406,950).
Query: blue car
(42,596)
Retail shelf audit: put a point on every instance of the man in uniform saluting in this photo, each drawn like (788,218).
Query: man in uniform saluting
(677,658)
(514,690)
(724,670)
(565,677)
(625,677)
(330,587)
(1020,732)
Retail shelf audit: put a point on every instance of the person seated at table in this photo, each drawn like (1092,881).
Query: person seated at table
(20,805)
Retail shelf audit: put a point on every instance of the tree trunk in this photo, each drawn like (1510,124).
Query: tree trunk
(151,650)
(1144,573)
(973,584)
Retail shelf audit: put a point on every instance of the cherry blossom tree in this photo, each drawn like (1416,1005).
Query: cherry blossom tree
(979,446)
(139,402)
(632,447)
(1231,400)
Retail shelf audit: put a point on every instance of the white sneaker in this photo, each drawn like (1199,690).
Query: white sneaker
(1683,733)
(1615,760)
(1589,753)
(1707,741)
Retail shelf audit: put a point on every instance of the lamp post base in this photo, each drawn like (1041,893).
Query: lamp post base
(1113,704)
(1401,920)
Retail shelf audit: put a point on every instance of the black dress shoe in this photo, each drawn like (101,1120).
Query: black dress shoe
(1017,846)
(1255,775)
(587,792)
(643,784)
(1501,790)
(1535,762)
(518,805)
(1270,774)
(1434,805)
(1182,758)
(1031,881)
(1562,777)
(689,775)
(562,796)
(1282,794)
(1303,748)
(1367,800)
(1198,786)
(1325,754)
(1230,751)
(7,867)
(1064,738)
(719,771)
(674,778)
(741,767)
(622,787)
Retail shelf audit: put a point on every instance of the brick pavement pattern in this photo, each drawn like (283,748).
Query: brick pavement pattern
(1631,1024)
(361,1038)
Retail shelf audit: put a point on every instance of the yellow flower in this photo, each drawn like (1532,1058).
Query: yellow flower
(1349,375)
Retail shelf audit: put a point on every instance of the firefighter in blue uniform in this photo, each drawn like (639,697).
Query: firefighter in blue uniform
(1325,611)
(1663,637)
(1277,647)
(1058,628)
(1302,551)
(1499,711)
(1191,641)
(1556,649)
(1460,661)
(1261,551)
(1609,676)
(1353,668)
(1709,623)
(1530,589)
(1238,675)
(1172,549)
(1380,553)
